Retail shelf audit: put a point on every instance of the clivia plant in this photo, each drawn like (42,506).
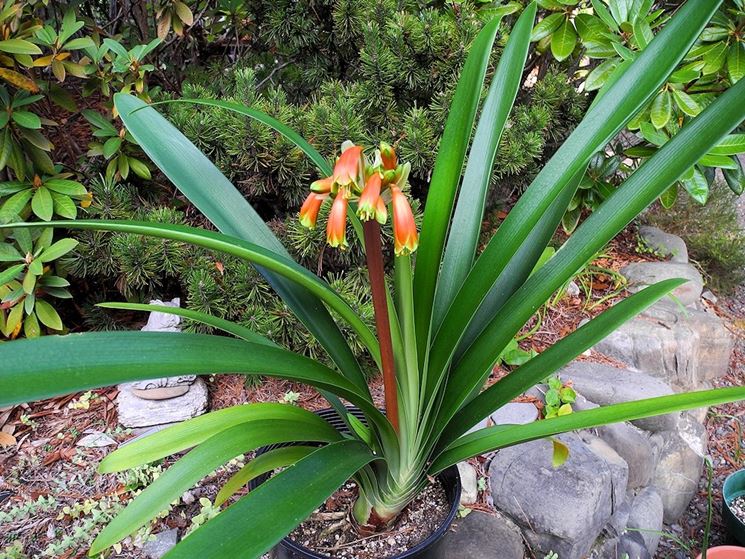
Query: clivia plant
(442,323)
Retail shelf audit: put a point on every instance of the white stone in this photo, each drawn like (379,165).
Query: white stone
(469,492)
(137,412)
(96,440)
(515,413)
(162,544)
(643,274)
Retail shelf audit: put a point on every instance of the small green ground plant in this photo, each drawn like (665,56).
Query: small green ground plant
(440,327)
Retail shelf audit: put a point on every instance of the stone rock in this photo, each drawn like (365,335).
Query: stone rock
(646,518)
(684,348)
(680,466)
(163,322)
(515,413)
(633,445)
(162,544)
(664,244)
(607,385)
(469,482)
(165,393)
(709,296)
(572,289)
(632,546)
(167,382)
(96,440)
(136,412)
(481,536)
(642,274)
(559,509)
(480,425)
(619,472)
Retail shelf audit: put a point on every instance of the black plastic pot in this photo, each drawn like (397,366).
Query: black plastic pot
(288,549)
(734,486)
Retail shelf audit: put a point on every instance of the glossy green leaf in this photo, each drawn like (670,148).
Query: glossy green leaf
(26,119)
(589,27)
(736,61)
(714,58)
(735,178)
(58,249)
(697,186)
(42,204)
(600,74)
(64,206)
(224,206)
(731,145)
(563,41)
(259,520)
(8,253)
(14,205)
(546,26)
(553,358)
(190,433)
(56,365)
(661,110)
(203,318)
(278,264)
(493,438)
(642,79)
(445,178)
(685,102)
(205,458)
(267,462)
(466,222)
(636,193)
(720,161)
(19,46)
(11,273)
(47,315)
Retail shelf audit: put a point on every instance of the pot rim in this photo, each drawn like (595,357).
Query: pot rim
(330,415)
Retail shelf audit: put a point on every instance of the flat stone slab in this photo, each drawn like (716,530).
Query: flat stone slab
(664,244)
(685,348)
(162,544)
(515,413)
(481,536)
(136,412)
(643,274)
(606,385)
(559,509)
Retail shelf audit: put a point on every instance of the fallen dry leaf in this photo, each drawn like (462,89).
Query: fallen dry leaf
(6,439)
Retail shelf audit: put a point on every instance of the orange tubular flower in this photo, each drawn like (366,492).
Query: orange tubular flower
(336,230)
(349,166)
(388,156)
(404,227)
(367,207)
(309,210)
(322,186)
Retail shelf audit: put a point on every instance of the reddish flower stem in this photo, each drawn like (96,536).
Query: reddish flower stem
(374,254)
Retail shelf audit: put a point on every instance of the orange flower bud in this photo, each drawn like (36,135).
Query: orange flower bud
(381,212)
(388,156)
(336,229)
(309,210)
(322,186)
(367,208)
(404,227)
(348,167)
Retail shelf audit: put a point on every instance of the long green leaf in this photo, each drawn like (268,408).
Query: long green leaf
(259,520)
(188,434)
(208,456)
(550,360)
(445,179)
(55,365)
(493,438)
(626,202)
(203,318)
(267,462)
(276,263)
(271,122)
(621,101)
(469,210)
(208,189)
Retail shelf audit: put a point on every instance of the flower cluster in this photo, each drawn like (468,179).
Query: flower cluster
(373,185)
